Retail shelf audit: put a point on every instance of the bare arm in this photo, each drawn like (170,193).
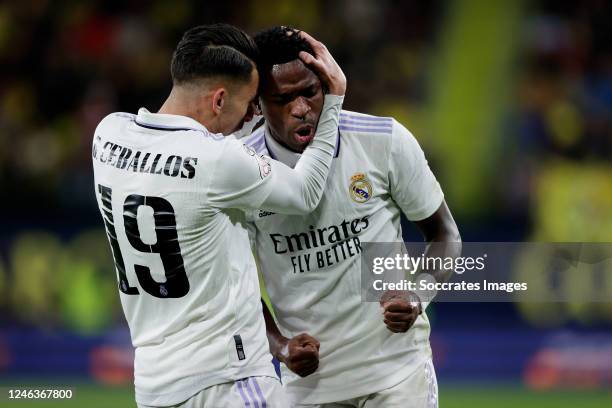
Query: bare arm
(300,354)
(441,228)
(401,309)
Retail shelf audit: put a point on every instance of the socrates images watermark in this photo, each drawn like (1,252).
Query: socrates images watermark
(488,272)
(425,285)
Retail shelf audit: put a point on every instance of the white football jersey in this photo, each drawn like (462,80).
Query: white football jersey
(311,263)
(172,196)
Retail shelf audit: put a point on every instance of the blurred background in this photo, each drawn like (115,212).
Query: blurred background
(511,101)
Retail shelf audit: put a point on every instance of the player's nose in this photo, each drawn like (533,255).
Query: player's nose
(300,108)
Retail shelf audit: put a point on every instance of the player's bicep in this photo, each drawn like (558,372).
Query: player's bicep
(412,183)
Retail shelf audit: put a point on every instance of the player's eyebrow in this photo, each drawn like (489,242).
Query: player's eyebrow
(282,94)
(310,86)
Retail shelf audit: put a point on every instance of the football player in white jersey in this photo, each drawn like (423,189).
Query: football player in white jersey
(172,191)
(337,350)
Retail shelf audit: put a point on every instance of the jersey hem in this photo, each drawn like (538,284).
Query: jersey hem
(355,390)
(200,383)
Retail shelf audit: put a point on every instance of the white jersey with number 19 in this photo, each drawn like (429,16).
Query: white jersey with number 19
(172,196)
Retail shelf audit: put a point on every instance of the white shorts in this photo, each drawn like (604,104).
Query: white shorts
(251,392)
(419,390)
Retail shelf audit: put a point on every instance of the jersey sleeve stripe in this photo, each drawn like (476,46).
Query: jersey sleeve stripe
(386,124)
(365,129)
(347,116)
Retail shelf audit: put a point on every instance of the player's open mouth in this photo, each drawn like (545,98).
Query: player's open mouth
(304,133)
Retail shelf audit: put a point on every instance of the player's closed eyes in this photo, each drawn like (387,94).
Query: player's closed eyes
(310,91)
(283,99)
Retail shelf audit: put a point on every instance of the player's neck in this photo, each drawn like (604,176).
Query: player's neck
(184,103)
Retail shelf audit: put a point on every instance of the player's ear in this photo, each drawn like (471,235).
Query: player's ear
(218,100)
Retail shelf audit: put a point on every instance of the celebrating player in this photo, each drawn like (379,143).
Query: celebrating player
(172,191)
(336,350)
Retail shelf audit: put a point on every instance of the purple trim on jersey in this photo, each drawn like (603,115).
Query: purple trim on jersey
(253,137)
(365,129)
(386,124)
(257,145)
(264,404)
(247,403)
(348,116)
(250,391)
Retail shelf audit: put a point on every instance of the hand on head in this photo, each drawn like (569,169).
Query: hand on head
(324,65)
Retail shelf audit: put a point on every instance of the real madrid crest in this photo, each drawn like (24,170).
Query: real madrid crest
(360,188)
(264,163)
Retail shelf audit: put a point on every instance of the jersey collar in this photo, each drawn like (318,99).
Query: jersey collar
(164,121)
(282,154)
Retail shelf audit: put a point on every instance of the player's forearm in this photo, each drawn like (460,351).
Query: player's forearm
(299,190)
(444,246)
(444,241)
(447,245)
(278,342)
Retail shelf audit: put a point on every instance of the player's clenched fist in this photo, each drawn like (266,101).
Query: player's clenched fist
(301,354)
(400,310)
(324,65)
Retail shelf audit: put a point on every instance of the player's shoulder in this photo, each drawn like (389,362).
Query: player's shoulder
(114,120)
(359,124)
(117,117)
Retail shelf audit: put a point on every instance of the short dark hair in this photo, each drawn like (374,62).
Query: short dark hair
(213,50)
(279,45)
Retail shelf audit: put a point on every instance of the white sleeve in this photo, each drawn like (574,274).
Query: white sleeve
(240,177)
(413,185)
(243,179)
